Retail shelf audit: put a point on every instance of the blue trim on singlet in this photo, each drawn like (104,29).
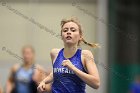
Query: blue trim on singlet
(65,81)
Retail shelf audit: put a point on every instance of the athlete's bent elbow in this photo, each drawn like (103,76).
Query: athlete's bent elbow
(96,85)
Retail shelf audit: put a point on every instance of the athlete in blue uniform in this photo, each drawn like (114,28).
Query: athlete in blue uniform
(135,86)
(65,78)
(73,67)
(23,78)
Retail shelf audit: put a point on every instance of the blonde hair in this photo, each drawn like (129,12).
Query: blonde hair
(75,20)
(28,46)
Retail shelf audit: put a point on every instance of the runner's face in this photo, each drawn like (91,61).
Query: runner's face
(28,55)
(70,33)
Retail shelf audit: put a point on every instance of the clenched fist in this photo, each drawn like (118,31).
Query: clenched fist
(67,63)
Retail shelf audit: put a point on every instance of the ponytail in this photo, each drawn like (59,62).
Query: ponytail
(90,44)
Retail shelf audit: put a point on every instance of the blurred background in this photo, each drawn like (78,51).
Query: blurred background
(114,24)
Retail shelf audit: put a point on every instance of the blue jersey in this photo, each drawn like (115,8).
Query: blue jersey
(135,88)
(24,82)
(65,80)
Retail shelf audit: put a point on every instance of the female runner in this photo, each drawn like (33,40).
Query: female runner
(23,77)
(73,67)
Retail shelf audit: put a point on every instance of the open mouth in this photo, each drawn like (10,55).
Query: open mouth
(68,37)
